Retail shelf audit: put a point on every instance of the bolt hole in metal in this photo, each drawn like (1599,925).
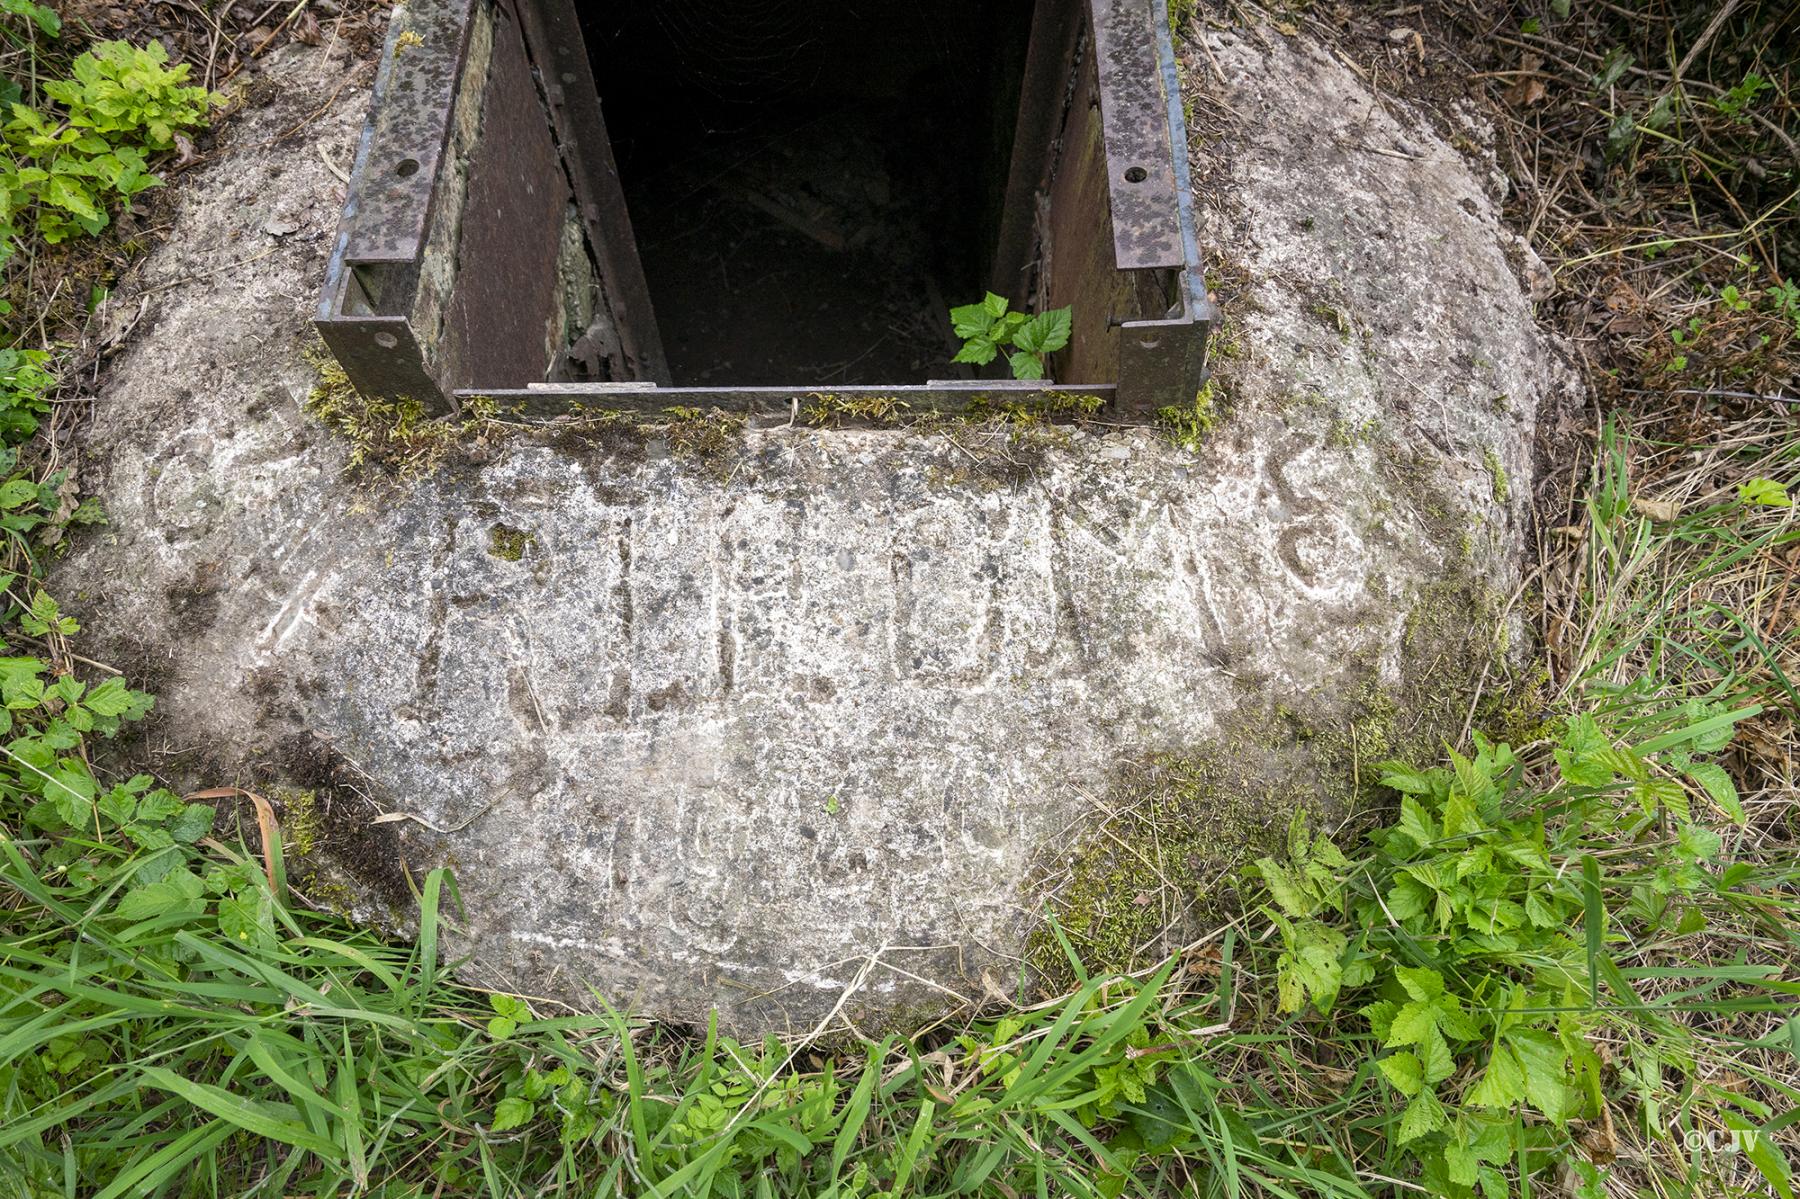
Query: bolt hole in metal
(408,167)
(1136,174)
(386,341)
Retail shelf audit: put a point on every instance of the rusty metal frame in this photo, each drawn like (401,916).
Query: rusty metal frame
(1161,342)
(388,207)
(1162,360)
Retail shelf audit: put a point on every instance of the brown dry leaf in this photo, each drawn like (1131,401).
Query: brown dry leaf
(1526,92)
(1203,961)
(306,30)
(1655,509)
(1287,29)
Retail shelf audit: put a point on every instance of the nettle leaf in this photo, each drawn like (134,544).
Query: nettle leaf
(1424,1115)
(1718,786)
(1044,333)
(1404,1071)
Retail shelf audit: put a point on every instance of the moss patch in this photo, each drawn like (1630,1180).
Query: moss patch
(393,434)
(1496,469)
(1187,426)
(1158,864)
(508,543)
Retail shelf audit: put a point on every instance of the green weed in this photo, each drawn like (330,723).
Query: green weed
(988,328)
(63,164)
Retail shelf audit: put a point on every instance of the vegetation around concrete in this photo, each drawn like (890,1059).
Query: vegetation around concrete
(1559,959)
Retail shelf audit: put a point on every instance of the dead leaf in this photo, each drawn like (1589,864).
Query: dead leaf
(306,30)
(184,146)
(1287,29)
(1655,509)
(1526,92)
(266,824)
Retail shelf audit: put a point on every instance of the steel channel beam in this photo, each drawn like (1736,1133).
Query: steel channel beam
(415,92)
(952,397)
(1134,121)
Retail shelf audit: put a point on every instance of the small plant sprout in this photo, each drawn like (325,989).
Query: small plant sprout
(1764,493)
(988,327)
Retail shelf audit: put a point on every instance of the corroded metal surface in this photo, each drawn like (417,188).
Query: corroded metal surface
(553,36)
(1134,115)
(1102,173)
(397,166)
(505,318)
(790,404)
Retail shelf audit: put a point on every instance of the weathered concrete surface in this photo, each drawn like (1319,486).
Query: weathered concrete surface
(799,729)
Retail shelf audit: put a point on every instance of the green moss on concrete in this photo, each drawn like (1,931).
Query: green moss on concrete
(1187,426)
(510,544)
(1158,864)
(298,812)
(1502,484)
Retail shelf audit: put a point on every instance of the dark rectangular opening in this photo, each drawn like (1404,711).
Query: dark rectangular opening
(811,183)
(559,205)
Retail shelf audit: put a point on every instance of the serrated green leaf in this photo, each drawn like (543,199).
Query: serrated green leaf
(1460,1164)
(1025,365)
(978,350)
(1423,984)
(1424,1115)
(1404,1071)
(1435,1057)
(1716,782)
(971,320)
(1044,333)
(194,822)
(1501,1085)
(1411,1025)
(1283,889)
(511,1112)
(1765,493)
